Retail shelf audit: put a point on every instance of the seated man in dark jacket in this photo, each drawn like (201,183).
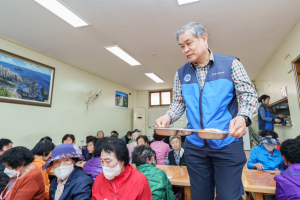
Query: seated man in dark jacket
(71,182)
(160,185)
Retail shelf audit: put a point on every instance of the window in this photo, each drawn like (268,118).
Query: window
(160,98)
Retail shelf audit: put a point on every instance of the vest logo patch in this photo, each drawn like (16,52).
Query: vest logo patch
(187,78)
(218,73)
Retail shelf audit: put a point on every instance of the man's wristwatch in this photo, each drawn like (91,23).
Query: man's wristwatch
(247,119)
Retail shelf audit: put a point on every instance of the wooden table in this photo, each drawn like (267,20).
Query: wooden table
(258,182)
(180,177)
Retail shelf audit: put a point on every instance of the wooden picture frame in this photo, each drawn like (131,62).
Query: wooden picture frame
(288,63)
(25,81)
(296,70)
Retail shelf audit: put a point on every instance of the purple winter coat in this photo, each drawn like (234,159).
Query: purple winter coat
(288,183)
(93,167)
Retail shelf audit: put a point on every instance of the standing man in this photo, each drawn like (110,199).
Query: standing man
(209,87)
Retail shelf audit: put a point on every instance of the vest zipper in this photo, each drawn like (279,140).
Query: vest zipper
(200,104)
(200,100)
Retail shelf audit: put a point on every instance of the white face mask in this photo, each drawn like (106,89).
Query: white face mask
(12,172)
(111,173)
(270,147)
(63,172)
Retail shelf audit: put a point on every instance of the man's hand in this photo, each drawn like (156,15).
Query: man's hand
(163,121)
(237,127)
(258,166)
(277,120)
(277,170)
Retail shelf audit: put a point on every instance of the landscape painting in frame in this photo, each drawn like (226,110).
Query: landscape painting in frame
(121,100)
(25,81)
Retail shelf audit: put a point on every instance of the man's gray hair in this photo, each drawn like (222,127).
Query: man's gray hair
(196,29)
(175,137)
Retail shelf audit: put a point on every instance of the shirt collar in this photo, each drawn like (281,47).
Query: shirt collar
(180,153)
(210,62)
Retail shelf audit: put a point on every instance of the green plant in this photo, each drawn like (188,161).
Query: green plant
(4,92)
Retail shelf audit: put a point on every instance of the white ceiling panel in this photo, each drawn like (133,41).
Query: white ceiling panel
(251,30)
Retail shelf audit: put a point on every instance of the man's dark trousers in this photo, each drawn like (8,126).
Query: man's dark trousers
(216,168)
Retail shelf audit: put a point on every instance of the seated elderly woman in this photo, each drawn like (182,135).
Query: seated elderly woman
(91,143)
(70,139)
(93,167)
(133,144)
(160,185)
(143,140)
(161,149)
(71,182)
(26,180)
(266,156)
(100,135)
(119,179)
(84,148)
(176,156)
(42,153)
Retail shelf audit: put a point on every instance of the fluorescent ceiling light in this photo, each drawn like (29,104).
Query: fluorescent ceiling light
(154,77)
(63,12)
(181,2)
(123,55)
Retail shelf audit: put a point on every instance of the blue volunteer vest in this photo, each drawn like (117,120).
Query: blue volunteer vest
(264,125)
(212,106)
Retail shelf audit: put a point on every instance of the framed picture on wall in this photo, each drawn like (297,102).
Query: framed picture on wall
(288,63)
(25,81)
(296,67)
(121,100)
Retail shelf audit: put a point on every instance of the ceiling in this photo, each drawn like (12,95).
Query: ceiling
(251,30)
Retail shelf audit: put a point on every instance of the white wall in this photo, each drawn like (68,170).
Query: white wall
(142,100)
(274,76)
(25,125)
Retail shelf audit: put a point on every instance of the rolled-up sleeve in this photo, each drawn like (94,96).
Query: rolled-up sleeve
(244,89)
(177,107)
